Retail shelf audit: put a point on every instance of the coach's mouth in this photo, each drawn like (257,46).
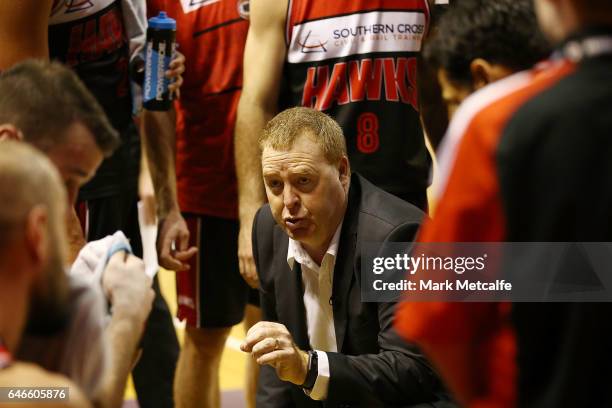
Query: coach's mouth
(294,223)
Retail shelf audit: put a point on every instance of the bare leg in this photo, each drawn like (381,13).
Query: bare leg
(196,381)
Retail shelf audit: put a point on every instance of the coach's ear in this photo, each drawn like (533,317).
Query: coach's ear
(344,171)
(10,132)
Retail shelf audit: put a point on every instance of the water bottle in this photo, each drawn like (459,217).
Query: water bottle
(160,46)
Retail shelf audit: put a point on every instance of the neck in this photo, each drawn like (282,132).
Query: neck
(317,254)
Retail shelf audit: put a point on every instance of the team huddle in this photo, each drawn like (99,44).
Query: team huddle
(299,132)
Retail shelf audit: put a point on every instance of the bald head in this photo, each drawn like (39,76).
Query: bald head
(32,243)
(28,180)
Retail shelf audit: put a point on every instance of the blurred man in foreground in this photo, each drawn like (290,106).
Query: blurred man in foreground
(46,105)
(33,285)
(521,150)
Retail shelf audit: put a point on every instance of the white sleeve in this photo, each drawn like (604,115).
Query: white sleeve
(86,356)
(135,23)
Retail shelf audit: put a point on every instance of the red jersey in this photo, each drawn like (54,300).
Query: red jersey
(211,34)
(356,60)
(473,344)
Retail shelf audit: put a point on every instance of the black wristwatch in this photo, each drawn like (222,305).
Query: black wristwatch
(313,370)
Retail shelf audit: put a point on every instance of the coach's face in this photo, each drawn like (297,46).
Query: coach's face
(307,194)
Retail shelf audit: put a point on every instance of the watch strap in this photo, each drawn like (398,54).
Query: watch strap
(313,370)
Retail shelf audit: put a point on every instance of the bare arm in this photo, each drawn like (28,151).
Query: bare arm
(123,340)
(129,291)
(23,30)
(158,138)
(263,63)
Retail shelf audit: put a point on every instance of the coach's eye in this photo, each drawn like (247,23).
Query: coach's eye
(275,184)
(303,180)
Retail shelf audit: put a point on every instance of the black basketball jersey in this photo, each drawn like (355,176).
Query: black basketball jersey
(89,36)
(357,62)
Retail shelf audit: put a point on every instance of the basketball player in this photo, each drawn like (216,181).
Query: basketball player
(211,294)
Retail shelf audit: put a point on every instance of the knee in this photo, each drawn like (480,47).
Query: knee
(206,341)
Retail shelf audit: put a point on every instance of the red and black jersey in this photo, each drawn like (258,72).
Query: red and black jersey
(357,61)
(526,159)
(555,175)
(470,210)
(211,35)
(89,36)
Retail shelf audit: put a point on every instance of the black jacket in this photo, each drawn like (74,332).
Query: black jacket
(373,367)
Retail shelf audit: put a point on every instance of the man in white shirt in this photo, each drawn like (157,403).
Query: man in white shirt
(318,341)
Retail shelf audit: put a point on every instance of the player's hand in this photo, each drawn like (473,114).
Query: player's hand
(173,243)
(246,263)
(175,74)
(128,288)
(271,343)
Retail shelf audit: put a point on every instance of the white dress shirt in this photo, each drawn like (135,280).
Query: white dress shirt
(317,281)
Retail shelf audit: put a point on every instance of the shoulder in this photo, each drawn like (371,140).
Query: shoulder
(381,214)
(377,204)
(573,95)
(482,117)
(575,105)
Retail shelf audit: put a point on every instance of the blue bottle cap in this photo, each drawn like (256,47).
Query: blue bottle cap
(162,22)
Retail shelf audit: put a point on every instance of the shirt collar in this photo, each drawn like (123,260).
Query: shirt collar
(296,253)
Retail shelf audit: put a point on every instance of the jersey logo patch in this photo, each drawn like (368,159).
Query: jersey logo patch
(192,5)
(310,44)
(361,33)
(64,11)
(77,5)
